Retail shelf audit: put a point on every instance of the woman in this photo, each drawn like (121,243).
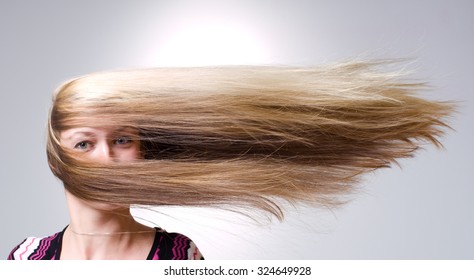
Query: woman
(239,138)
(99,230)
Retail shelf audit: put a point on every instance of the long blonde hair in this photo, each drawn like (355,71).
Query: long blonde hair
(243,137)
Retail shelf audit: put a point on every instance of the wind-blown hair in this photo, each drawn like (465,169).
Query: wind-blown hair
(243,137)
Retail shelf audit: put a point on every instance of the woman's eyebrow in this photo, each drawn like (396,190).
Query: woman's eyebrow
(79,133)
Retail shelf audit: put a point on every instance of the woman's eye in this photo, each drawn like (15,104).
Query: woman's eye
(123,140)
(84,145)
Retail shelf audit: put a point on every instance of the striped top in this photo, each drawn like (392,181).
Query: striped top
(166,246)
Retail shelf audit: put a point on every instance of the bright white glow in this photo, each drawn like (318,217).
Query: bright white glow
(209,44)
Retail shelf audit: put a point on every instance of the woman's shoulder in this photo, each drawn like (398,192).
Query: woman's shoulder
(173,246)
(37,248)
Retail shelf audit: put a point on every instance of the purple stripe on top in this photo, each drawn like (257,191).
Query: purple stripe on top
(43,247)
(180,243)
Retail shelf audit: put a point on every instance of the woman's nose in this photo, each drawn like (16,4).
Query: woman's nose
(104,153)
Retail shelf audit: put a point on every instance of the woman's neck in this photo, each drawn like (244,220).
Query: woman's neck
(96,228)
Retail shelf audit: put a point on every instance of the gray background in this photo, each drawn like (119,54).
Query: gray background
(423,210)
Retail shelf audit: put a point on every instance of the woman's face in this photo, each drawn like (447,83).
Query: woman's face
(103,144)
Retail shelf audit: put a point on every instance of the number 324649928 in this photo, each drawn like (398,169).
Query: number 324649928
(290,270)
